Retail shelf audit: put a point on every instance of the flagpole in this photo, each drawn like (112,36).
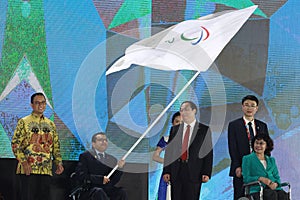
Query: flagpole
(155,121)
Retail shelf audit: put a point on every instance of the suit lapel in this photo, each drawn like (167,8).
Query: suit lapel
(180,133)
(176,141)
(259,165)
(243,129)
(243,126)
(93,153)
(269,165)
(195,131)
(257,126)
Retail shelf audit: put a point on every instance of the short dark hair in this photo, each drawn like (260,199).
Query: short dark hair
(250,97)
(36,94)
(94,137)
(175,115)
(265,137)
(192,104)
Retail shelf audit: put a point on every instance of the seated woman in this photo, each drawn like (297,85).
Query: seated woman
(260,166)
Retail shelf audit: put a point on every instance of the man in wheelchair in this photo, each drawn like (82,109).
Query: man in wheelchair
(260,166)
(92,169)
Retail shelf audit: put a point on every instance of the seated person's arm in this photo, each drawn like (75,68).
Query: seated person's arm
(116,176)
(83,175)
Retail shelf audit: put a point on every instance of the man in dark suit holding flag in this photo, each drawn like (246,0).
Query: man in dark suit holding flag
(93,168)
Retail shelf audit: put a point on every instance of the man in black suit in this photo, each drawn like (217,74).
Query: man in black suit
(94,166)
(240,133)
(187,166)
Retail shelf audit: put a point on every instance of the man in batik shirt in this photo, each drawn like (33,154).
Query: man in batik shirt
(35,144)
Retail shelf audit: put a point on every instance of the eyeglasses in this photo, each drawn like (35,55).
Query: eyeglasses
(39,103)
(250,106)
(101,140)
(260,143)
(185,109)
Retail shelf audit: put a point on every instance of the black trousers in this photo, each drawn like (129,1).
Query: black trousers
(34,187)
(238,190)
(183,188)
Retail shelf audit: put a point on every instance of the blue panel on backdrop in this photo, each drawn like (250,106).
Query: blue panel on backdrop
(73,30)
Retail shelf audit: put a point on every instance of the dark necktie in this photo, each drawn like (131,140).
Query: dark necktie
(184,150)
(101,156)
(251,131)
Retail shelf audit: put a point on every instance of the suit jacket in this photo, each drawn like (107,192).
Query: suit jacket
(92,170)
(200,152)
(252,169)
(238,142)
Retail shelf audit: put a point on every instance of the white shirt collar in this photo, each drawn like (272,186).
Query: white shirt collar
(97,152)
(191,124)
(247,121)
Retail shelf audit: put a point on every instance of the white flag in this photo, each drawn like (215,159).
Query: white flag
(189,45)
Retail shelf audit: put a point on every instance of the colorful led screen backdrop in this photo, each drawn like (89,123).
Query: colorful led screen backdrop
(63,48)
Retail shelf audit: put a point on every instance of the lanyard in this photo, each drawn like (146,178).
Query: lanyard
(248,133)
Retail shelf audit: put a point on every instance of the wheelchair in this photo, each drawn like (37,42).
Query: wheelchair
(257,183)
(79,188)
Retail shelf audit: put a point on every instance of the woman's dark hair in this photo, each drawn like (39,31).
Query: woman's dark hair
(175,115)
(267,139)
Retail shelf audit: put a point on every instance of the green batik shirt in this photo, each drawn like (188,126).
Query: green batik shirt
(36,140)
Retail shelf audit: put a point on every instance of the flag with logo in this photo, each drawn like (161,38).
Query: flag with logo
(189,45)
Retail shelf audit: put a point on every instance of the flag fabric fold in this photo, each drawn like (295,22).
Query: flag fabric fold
(189,45)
